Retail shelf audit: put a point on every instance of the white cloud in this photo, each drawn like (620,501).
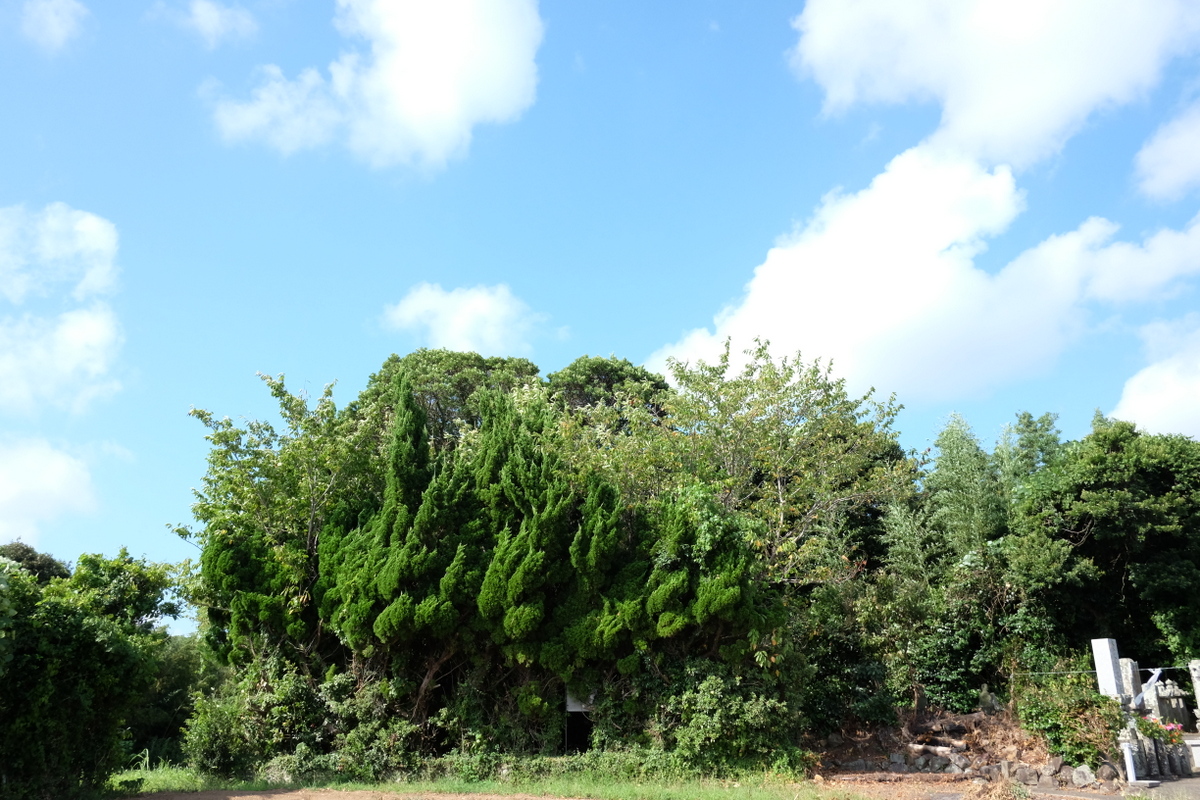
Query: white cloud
(50,24)
(430,72)
(1161,398)
(490,320)
(63,361)
(884,280)
(1169,164)
(39,483)
(217,23)
(41,251)
(1015,78)
(59,358)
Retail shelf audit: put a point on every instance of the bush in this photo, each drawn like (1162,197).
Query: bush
(215,740)
(73,675)
(1075,720)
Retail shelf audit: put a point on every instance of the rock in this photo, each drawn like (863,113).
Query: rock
(858,765)
(1109,787)
(834,740)
(1066,772)
(1052,766)
(1107,772)
(898,768)
(954,769)
(960,761)
(920,762)
(938,763)
(1047,782)
(1006,769)
(1083,776)
(1027,776)
(896,758)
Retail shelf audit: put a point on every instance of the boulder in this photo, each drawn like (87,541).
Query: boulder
(1052,766)
(1047,782)
(1107,772)
(858,765)
(834,740)
(1027,775)
(1083,776)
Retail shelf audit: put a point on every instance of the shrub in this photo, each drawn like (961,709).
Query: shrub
(215,740)
(1076,721)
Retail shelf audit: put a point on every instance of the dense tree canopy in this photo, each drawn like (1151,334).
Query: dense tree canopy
(81,654)
(720,564)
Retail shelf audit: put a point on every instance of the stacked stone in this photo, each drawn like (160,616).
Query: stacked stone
(1052,775)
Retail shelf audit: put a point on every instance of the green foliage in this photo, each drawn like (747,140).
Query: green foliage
(8,610)
(423,575)
(216,740)
(182,669)
(963,596)
(82,655)
(1126,508)
(43,566)
(1076,721)
(445,382)
(717,727)
(1154,728)
(592,381)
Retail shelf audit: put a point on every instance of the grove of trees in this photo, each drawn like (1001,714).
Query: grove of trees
(721,566)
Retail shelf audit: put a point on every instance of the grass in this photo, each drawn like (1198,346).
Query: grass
(592,786)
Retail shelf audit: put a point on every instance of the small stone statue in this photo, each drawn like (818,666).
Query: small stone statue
(988,702)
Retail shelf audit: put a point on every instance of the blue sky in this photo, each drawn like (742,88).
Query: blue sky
(981,206)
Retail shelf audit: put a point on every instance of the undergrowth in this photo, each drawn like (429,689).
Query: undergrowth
(573,776)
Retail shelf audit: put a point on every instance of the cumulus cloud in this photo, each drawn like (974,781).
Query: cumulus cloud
(1168,165)
(63,357)
(62,361)
(886,280)
(490,320)
(50,24)
(428,74)
(217,23)
(58,247)
(1161,398)
(1015,79)
(39,483)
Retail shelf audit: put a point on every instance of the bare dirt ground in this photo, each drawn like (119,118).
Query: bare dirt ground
(876,788)
(327,794)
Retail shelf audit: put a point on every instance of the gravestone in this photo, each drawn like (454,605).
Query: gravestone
(1108,668)
(1131,680)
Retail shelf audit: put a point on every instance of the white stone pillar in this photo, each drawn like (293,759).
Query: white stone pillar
(1108,668)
